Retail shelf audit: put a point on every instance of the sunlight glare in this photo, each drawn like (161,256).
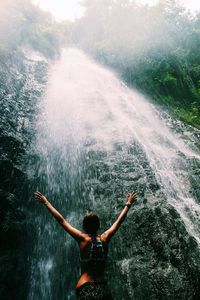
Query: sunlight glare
(62,9)
(72,9)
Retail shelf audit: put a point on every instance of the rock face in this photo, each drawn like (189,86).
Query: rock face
(153,256)
(98,141)
(20,88)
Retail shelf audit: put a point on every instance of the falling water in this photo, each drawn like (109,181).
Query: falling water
(96,138)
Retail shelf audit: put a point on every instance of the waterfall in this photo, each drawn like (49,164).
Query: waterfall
(97,140)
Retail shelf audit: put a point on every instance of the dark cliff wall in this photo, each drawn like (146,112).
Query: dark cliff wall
(21,85)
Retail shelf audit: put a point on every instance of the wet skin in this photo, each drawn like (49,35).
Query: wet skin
(84,240)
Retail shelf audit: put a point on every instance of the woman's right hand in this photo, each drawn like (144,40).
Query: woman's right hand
(131,197)
(41,198)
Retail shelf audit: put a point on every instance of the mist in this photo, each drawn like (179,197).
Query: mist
(122,31)
(92,109)
(150,47)
(22,25)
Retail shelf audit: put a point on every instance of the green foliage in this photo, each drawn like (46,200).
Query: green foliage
(23,24)
(155,49)
(190,116)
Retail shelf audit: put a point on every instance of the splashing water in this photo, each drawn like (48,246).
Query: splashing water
(87,108)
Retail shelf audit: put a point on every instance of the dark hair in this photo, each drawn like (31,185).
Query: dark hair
(91,222)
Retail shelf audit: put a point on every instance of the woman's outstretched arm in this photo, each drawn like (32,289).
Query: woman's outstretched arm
(75,233)
(106,236)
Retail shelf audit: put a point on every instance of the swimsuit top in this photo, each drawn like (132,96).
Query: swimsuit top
(97,256)
(97,251)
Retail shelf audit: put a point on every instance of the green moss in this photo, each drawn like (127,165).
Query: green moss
(191,116)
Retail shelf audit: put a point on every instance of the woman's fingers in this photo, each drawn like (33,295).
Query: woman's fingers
(134,195)
(38,193)
(38,196)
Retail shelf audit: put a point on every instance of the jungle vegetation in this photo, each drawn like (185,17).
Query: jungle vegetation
(153,48)
(22,24)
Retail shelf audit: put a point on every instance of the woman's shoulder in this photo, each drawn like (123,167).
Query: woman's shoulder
(86,239)
(103,238)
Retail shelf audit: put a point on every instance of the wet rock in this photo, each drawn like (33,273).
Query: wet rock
(19,93)
(11,177)
(11,148)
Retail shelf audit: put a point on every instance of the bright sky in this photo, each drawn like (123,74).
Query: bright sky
(71,9)
(62,9)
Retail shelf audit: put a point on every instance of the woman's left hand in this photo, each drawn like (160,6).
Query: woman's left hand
(131,197)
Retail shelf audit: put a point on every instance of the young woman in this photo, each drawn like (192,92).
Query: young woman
(93,249)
